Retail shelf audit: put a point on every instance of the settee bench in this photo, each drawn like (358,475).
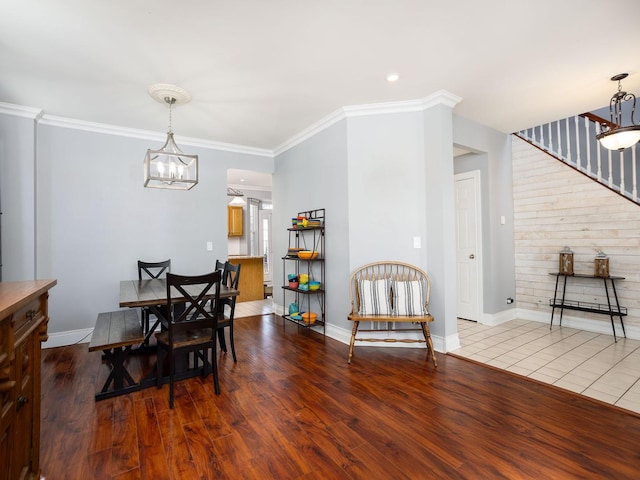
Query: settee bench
(386,293)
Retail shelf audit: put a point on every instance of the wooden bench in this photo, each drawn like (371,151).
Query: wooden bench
(385,293)
(114,334)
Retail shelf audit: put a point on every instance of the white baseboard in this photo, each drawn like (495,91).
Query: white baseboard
(71,337)
(493,319)
(601,325)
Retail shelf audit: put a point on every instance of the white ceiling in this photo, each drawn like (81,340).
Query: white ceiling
(261,71)
(247,179)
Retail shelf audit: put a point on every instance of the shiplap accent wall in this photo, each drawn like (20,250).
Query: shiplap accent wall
(556,206)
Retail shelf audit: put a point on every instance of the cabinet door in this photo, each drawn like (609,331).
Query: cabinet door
(234,215)
(7,397)
(25,356)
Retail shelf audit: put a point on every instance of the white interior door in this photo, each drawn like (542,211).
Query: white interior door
(468,245)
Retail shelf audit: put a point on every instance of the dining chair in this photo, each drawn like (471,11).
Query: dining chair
(192,327)
(151,270)
(225,273)
(231,278)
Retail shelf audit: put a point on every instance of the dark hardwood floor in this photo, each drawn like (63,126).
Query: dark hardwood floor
(291,408)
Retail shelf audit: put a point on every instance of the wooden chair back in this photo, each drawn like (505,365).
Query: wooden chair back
(153,269)
(231,278)
(220,266)
(196,292)
(231,275)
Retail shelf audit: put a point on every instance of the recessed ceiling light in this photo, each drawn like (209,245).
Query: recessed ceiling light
(393,77)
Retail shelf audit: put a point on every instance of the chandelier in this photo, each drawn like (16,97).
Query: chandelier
(617,137)
(169,167)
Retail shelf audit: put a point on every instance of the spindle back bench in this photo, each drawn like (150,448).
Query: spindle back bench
(385,293)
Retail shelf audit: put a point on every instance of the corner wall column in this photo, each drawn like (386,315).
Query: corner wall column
(440,215)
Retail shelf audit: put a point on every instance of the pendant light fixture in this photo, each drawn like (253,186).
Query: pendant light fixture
(237,195)
(617,137)
(170,167)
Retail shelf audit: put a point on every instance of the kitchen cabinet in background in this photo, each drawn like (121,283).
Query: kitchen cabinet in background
(234,216)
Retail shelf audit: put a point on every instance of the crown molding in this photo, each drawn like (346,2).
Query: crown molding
(63,122)
(20,111)
(441,97)
(311,130)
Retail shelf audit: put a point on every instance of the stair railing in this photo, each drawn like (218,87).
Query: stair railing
(573,142)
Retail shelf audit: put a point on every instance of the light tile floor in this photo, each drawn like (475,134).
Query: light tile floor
(257,307)
(587,363)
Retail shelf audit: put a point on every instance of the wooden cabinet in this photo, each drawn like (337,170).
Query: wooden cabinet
(234,215)
(23,326)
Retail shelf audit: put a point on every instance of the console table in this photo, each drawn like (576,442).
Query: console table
(611,309)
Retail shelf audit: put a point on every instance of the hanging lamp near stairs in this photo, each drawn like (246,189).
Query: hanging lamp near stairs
(619,137)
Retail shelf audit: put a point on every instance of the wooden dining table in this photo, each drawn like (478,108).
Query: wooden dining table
(152,293)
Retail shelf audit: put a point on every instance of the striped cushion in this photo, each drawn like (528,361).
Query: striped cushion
(375,297)
(408,297)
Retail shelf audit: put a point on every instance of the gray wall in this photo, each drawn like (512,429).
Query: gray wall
(94,219)
(382,178)
(311,175)
(17,196)
(391,178)
(386,188)
(494,162)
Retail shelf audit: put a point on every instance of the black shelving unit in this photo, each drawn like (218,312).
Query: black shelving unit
(310,237)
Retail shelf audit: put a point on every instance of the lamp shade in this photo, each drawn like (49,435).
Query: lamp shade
(620,138)
(170,168)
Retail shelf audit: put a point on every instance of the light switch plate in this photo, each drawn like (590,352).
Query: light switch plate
(209,246)
(416,242)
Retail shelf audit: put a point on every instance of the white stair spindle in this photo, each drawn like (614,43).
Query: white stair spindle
(634,173)
(577,143)
(598,155)
(610,165)
(622,190)
(542,138)
(559,139)
(568,141)
(550,138)
(588,143)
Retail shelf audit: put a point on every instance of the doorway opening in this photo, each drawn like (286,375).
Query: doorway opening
(255,240)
